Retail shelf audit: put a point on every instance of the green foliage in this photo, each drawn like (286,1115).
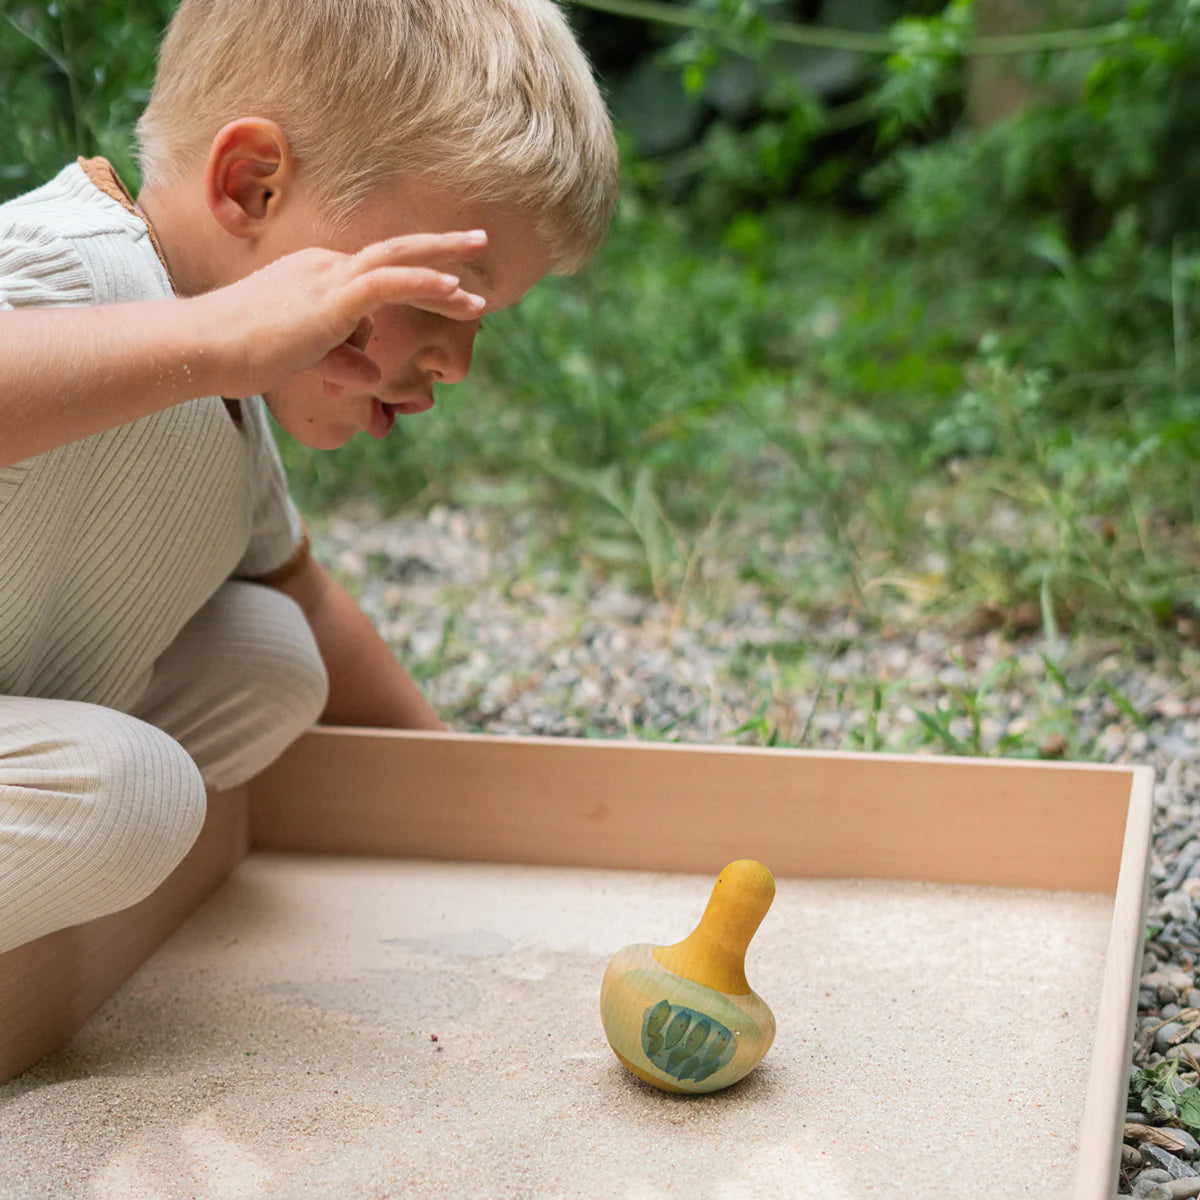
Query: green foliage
(920,69)
(1080,200)
(1156,1092)
(956,365)
(74,76)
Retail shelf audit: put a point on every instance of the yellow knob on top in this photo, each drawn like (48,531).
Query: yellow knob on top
(714,953)
(683,1017)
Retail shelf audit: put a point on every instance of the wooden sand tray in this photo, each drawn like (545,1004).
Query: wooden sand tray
(649,808)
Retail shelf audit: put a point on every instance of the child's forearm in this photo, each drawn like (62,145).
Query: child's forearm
(367,685)
(66,373)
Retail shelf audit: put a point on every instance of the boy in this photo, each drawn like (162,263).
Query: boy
(333,192)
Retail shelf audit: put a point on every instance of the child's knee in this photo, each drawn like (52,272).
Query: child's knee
(269,652)
(295,678)
(96,810)
(146,813)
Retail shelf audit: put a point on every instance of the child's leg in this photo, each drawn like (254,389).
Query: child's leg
(241,682)
(96,809)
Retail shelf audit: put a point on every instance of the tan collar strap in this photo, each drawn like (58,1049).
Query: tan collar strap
(100,171)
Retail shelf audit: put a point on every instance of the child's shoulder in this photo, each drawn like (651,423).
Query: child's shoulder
(73,241)
(68,206)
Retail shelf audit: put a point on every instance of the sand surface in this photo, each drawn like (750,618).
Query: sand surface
(933,1042)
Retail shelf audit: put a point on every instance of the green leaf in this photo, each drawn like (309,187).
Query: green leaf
(1046,599)
(1124,704)
(940,731)
(1189,1107)
(1055,673)
(615,550)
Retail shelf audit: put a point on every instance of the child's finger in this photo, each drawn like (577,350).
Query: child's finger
(362,334)
(397,285)
(349,367)
(462,306)
(422,249)
(412,286)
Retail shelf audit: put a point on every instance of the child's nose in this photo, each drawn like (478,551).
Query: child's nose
(449,359)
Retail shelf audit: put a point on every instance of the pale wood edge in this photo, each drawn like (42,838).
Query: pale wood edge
(369,733)
(50,987)
(1102,1126)
(692,808)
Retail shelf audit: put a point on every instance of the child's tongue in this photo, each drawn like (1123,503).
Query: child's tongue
(382,419)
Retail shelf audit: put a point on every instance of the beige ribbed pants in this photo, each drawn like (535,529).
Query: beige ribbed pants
(98,806)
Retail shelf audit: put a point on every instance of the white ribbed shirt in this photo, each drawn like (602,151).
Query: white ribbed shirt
(108,545)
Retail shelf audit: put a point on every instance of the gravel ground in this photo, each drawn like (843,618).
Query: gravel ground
(504,641)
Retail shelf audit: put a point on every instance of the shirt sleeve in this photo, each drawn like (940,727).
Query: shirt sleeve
(39,268)
(278,538)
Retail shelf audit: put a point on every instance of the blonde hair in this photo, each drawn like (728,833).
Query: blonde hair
(491,98)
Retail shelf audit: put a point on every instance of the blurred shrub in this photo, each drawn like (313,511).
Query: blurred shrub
(74,77)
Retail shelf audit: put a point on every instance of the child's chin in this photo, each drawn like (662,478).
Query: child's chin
(317,435)
(329,439)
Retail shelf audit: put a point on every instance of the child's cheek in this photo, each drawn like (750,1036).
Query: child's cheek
(399,334)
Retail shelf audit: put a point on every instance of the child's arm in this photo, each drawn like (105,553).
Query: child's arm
(367,686)
(66,373)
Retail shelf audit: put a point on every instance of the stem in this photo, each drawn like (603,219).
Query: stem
(860,43)
(72,82)
(1178,314)
(781,31)
(48,51)
(62,63)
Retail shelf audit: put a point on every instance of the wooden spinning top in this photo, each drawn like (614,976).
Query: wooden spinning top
(683,1017)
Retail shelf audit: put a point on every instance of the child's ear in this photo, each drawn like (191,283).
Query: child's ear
(250,166)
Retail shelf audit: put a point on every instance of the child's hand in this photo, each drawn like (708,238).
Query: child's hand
(311,310)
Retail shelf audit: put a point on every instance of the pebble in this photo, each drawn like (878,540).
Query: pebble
(1149,1185)
(1175,1167)
(1162,1039)
(1191,1147)
(1185,859)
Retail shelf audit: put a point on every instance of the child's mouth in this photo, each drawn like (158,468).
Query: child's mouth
(383,416)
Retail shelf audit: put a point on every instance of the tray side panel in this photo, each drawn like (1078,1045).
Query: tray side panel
(1102,1127)
(650,806)
(51,986)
